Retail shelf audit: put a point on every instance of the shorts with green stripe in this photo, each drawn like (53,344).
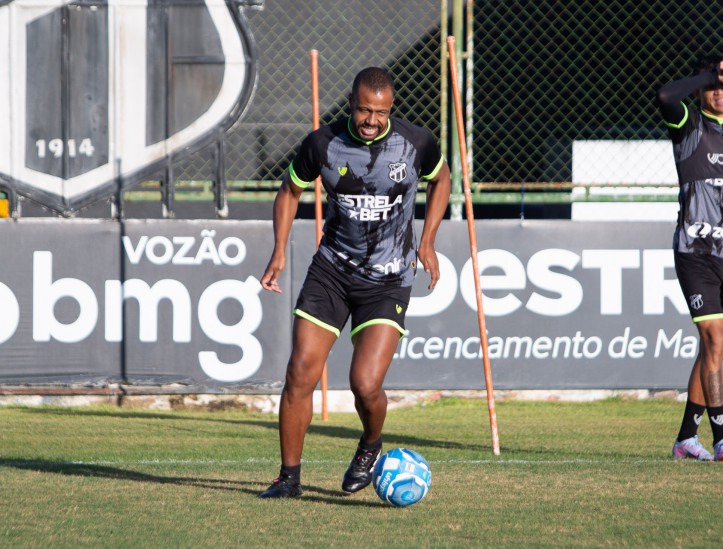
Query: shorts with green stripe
(701,279)
(329,296)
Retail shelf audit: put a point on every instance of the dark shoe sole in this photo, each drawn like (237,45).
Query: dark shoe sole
(271,493)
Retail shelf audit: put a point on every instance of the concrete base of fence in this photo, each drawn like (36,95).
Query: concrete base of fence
(337,401)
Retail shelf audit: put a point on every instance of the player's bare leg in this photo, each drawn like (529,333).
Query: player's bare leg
(705,386)
(711,375)
(695,387)
(374,348)
(311,346)
(711,341)
(686,444)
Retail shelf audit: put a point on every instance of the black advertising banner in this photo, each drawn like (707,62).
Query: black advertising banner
(195,312)
(567,305)
(52,279)
(178,304)
(142,302)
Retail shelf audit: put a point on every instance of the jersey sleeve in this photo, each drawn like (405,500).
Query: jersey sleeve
(305,168)
(431,156)
(670,97)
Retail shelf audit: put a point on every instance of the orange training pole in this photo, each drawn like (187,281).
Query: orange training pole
(473,245)
(314,54)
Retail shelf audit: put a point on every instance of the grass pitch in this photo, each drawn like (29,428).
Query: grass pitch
(569,475)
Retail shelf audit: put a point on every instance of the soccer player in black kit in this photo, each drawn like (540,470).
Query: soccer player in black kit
(697,135)
(370,165)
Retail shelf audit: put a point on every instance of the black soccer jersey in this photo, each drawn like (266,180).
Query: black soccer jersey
(698,152)
(371,189)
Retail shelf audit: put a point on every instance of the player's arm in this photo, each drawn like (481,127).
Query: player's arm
(670,96)
(286,204)
(438,189)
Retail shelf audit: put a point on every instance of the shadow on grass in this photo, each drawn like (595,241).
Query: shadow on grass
(517,449)
(391,440)
(311,493)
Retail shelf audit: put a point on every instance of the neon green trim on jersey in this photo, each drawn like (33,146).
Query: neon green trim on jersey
(316,321)
(708,115)
(435,171)
(382,136)
(386,321)
(295,178)
(714,316)
(680,124)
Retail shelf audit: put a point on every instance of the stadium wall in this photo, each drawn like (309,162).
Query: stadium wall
(176,306)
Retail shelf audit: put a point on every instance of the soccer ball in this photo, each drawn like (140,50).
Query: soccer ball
(402,477)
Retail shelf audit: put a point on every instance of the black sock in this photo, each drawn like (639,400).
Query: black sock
(370,446)
(715,416)
(291,471)
(691,419)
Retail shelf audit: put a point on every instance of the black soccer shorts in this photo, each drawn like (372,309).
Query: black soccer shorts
(329,296)
(701,279)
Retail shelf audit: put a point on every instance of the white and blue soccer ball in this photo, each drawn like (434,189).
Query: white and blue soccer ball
(402,477)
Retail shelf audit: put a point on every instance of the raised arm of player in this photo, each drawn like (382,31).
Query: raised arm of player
(285,206)
(671,95)
(438,189)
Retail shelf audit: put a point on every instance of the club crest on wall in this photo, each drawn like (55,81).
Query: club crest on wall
(95,94)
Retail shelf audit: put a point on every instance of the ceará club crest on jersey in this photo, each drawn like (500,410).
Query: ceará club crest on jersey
(95,94)
(398,171)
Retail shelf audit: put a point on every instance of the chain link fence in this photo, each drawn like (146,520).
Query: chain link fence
(549,73)
(403,37)
(547,76)
(565,91)
(400,36)
(553,84)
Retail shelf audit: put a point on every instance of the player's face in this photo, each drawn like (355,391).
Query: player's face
(711,99)
(370,112)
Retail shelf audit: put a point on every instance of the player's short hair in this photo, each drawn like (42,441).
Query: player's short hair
(374,78)
(707,63)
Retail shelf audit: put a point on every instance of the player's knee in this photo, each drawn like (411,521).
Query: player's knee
(301,376)
(366,390)
(712,341)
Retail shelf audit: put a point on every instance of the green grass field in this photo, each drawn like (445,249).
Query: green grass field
(569,475)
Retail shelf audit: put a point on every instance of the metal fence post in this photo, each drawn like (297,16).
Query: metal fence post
(456,163)
(444,78)
(469,88)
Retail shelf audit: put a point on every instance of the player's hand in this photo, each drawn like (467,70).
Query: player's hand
(270,280)
(428,257)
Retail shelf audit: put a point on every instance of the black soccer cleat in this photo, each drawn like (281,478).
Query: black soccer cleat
(283,487)
(359,473)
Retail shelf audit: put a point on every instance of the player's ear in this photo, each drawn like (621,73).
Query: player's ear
(351,101)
